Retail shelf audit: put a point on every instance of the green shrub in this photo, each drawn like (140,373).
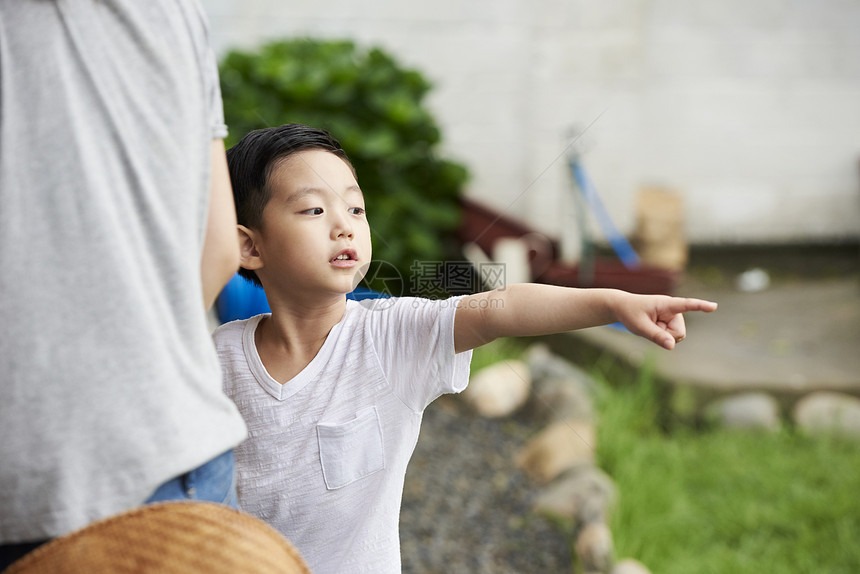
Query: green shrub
(374,108)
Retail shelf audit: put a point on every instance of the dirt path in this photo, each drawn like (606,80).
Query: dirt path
(466,508)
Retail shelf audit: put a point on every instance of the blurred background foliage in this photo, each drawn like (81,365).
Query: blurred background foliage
(375,108)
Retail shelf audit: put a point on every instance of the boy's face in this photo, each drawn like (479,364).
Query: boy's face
(314,236)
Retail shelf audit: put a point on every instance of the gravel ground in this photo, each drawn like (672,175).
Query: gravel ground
(467,508)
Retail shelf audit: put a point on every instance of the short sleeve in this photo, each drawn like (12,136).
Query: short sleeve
(209,70)
(216,106)
(414,341)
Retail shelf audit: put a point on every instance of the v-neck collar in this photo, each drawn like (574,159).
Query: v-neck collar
(270,385)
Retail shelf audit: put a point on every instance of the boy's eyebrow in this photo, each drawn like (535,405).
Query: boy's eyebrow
(303,192)
(306,191)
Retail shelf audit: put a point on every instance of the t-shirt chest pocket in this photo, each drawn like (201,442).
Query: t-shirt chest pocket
(351,450)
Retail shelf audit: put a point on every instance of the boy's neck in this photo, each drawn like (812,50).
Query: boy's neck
(292,336)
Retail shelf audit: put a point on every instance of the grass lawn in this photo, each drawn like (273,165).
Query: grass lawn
(718,501)
(715,501)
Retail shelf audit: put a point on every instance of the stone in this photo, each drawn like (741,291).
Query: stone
(594,547)
(544,363)
(752,280)
(581,495)
(753,410)
(561,390)
(630,566)
(498,390)
(825,412)
(555,399)
(561,446)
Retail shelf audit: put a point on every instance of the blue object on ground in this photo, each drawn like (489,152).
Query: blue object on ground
(618,327)
(616,239)
(242,299)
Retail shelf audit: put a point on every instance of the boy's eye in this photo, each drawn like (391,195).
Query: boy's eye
(356,210)
(313,211)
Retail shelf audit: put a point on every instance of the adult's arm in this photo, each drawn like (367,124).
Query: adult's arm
(220,258)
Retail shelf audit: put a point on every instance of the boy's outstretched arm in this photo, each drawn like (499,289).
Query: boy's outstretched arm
(530,309)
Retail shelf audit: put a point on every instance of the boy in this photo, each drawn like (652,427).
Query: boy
(333,390)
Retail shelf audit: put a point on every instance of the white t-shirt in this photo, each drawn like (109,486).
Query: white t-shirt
(109,384)
(327,451)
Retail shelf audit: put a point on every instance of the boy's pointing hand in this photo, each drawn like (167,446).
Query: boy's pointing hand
(660,318)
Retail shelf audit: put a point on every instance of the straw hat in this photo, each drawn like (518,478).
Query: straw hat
(167,538)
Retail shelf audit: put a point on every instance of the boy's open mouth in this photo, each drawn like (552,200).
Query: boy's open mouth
(345,257)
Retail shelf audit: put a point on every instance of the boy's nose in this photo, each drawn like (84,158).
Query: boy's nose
(341,227)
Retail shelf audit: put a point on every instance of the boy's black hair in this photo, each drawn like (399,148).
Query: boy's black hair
(254,158)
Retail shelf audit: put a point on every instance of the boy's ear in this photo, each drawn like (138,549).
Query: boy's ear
(249,255)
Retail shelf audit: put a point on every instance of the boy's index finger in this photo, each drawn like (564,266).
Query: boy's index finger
(685,304)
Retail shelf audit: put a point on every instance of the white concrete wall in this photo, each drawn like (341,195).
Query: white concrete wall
(750,109)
